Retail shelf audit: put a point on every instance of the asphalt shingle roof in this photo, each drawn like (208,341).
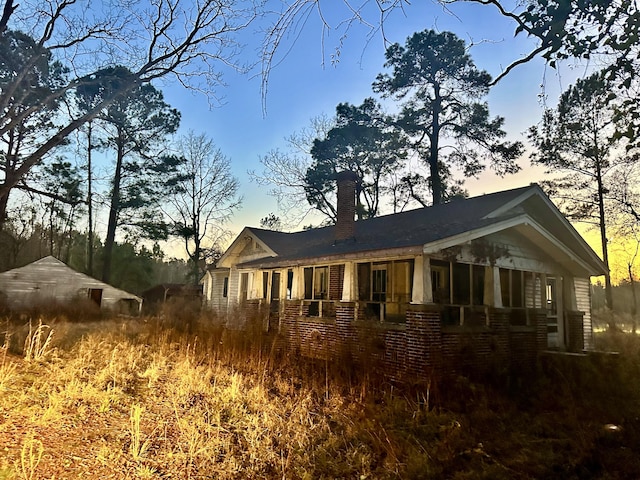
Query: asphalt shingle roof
(405,229)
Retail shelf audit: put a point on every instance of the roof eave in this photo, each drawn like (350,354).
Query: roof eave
(595,267)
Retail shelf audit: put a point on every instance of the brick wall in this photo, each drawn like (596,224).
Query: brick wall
(310,336)
(424,349)
(420,346)
(336,281)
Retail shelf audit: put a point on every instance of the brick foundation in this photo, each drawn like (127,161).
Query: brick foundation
(420,346)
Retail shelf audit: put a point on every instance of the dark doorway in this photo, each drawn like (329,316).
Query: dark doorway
(95,294)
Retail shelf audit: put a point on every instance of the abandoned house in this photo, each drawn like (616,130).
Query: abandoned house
(490,280)
(51,280)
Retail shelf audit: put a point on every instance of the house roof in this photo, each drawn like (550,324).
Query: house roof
(460,220)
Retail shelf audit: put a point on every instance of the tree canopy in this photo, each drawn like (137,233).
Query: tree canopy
(440,89)
(191,42)
(202,200)
(578,145)
(362,141)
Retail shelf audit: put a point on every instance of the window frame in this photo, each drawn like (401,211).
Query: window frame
(445,271)
(377,287)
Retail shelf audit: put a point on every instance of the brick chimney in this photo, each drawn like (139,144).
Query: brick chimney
(346,208)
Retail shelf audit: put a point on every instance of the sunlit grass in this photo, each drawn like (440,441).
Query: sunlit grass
(139,399)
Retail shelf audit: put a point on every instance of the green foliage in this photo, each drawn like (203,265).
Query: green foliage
(577,143)
(362,141)
(271,222)
(29,78)
(137,126)
(447,126)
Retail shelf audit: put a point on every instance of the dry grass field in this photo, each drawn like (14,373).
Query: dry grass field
(142,399)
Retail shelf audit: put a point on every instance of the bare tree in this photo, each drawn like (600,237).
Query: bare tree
(190,41)
(285,171)
(206,198)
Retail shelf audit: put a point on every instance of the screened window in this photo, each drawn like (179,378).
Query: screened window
(440,283)
(379,283)
(477,281)
(289,284)
(461,284)
(316,283)
(275,286)
(385,281)
(457,283)
(385,287)
(244,285)
(512,286)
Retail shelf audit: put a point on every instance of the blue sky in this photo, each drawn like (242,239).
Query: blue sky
(305,84)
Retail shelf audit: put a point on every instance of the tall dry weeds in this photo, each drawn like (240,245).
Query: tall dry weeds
(138,399)
(38,341)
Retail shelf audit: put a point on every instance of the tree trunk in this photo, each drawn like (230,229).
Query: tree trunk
(3,210)
(603,238)
(113,212)
(89,202)
(634,306)
(436,181)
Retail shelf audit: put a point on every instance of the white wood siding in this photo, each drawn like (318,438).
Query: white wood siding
(215,298)
(583,303)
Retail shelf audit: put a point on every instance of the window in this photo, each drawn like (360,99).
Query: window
(552,304)
(461,284)
(275,286)
(95,295)
(379,283)
(289,284)
(457,283)
(225,287)
(321,283)
(517,285)
(386,286)
(364,283)
(477,282)
(316,283)
(265,284)
(505,287)
(440,282)
(244,285)
(512,286)
(520,290)
(385,281)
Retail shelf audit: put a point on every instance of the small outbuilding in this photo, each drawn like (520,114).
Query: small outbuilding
(50,279)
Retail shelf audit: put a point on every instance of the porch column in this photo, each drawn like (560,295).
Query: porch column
(349,282)
(422,290)
(492,279)
(570,301)
(297,289)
